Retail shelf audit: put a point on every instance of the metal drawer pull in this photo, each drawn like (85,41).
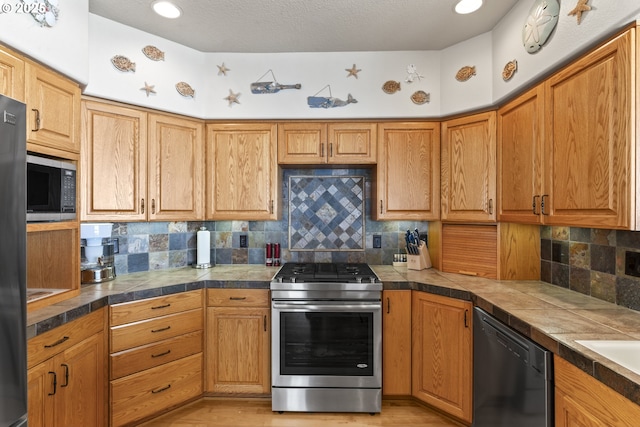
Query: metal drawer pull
(157,307)
(161,354)
(66,375)
(237,298)
(160,390)
(161,329)
(60,341)
(37,120)
(55,383)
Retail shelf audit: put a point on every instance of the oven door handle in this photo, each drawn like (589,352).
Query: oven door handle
(325,307)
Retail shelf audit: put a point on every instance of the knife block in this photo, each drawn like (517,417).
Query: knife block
(421,261)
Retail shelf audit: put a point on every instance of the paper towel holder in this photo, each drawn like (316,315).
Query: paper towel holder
(200,263)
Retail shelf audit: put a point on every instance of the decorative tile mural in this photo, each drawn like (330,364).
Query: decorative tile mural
(326,213)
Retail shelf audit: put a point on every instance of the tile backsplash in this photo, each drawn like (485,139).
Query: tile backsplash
(147,246)
(590,261)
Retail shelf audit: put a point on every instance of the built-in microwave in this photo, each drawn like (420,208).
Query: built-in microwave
(51,189)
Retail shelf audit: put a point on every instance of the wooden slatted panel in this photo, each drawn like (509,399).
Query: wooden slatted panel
(470,249)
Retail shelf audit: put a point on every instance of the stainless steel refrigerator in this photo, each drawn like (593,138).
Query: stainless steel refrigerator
(13,270)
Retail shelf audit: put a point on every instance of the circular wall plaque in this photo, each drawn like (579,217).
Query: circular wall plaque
(539,25)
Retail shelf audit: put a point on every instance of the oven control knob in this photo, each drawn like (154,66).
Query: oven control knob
(280,279)
(293,280)
(373,279)
(359,279)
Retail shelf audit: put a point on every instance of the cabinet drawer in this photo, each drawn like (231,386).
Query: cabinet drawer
(148,356)
(153,330)
(143,394)
(238,297)
(47,345)
(153,307)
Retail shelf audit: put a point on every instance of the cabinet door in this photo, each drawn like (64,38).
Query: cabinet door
(302,143)
(442,353)
(40,385)
(242,172)
(11,75)
(53,107)
(588,136)
(176,169)
(520,153)
(396,343)
(238,359)
(81,384)
(407,182)
(113,163)
(469,168)
(352,143)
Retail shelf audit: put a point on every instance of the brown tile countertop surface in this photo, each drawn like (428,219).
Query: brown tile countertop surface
(551,316)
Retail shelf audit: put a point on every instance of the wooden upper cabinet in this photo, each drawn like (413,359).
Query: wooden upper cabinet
(176,168)
(11,74)
(322,143)
(407,185)
(469,168)
(113,163)
(520,154)
(53,109)
(589,130)
(242,177)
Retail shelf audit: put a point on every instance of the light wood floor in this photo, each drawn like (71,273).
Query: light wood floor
(219,412)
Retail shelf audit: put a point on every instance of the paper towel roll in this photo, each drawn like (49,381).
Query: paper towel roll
(203,256)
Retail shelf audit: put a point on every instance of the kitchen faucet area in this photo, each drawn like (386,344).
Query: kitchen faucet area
(339,213)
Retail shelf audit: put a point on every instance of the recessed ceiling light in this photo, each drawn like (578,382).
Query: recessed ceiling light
(167,9)
(467,6)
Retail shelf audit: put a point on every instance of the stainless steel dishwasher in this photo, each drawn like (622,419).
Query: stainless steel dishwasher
(512,377)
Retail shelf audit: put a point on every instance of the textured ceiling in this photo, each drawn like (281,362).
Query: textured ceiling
(262,26)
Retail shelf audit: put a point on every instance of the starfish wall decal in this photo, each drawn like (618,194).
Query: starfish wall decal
(232,98)
(148,88)
(222,70)
(581,6)
(353,71)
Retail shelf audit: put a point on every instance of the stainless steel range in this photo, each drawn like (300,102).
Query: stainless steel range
(326,341)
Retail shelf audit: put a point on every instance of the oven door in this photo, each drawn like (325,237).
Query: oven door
(326,344)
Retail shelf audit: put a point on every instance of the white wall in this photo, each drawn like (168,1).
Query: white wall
(82,44)
(64,46)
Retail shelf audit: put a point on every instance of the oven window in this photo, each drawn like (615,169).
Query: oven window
(326,343)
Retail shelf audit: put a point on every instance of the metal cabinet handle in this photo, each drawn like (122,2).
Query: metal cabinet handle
(271,206)
(55,383)
(160,390)
(381,206)
(161,329)
(322,149)
(157,307)
(543,204)
(66,375)
(331,149)
(37,120)
(60,341)
(161,354)
(265,323)
(535,205)
(466,321)
(388,305)
(142,206)
(490,206)
(153,206)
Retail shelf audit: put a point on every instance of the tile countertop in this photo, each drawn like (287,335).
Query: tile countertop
(553,317)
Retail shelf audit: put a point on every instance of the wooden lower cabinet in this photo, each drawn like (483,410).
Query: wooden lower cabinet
(583,401)
(238,342)
(442,363)
(396,343)
(69,388)
(156,355)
